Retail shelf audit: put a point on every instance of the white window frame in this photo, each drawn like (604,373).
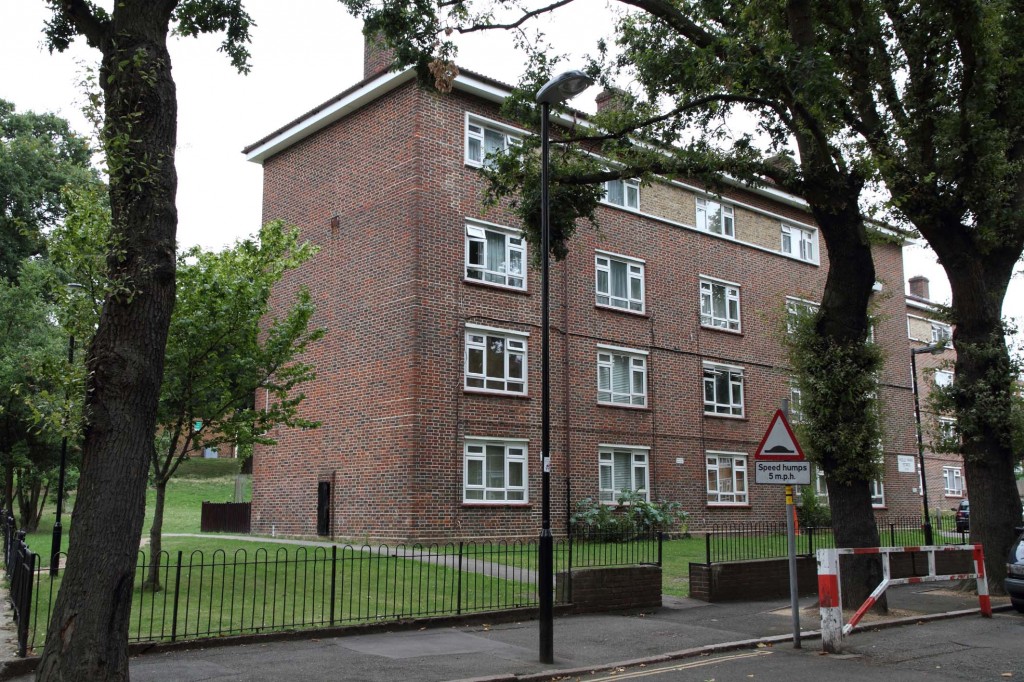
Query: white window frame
(630,193)
(953,481)
(515,249)
(796,305)
(947,430)
(799,241)
(731,292)
(636,363)
(716,406)
(796,402)
(943,378)
(738,492)
(820,485)
(639,467)
(477,129)
(726,226)
(478,338)
(635,279)
(941,333)
(515,456)
(877,493)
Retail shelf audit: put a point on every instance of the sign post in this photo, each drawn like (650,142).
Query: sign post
(779,460)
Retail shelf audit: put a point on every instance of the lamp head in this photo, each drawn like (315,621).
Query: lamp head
(564,86)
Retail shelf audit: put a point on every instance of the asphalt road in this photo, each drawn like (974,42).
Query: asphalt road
(975,649)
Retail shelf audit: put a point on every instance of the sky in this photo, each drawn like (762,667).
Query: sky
(302,54)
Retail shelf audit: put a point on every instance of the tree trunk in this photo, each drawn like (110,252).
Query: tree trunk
(155,537)
(983,391)
(28,499)
(88,631)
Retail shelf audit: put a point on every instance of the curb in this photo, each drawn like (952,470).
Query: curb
(559,673)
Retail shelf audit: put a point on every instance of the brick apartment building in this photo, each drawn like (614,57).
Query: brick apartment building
(666,358)
(944,471)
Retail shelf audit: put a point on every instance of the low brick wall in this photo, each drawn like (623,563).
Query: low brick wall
(769,578)
(620,588)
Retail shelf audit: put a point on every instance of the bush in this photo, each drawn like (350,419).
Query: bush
(632,515)
(812,512)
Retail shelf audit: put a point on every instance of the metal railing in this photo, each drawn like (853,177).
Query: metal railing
(20,563)
(214,594)
(767,540)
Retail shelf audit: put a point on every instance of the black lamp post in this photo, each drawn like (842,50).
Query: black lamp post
(58,529)
(934,349)
(557,90)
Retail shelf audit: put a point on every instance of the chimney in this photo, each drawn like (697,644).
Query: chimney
(610,99)
(377,55)
(919,287)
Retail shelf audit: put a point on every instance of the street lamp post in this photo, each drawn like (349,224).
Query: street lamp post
(933,349)
(555,91)
(58,529)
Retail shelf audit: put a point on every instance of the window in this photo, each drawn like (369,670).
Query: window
(948,434)
(941,333)
(495,256)
(943,378)
(797,308)
(800,242)
(715,217)
(484,140)
(619,282)
(796,404)
(954,481)
(621,376)
(720,305)
(820,486)
(877,493)
(625,193)
(727,478)
(495,471)
(622,468)
(723,390)
(495,360)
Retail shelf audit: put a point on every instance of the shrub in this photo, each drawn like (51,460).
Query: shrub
(812,512)
(631,515)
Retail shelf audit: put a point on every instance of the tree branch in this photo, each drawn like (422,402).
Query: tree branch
(515,24)
(95,30)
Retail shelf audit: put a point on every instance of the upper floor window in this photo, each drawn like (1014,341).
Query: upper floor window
(719,304)
(797,308)
(941,333)
(494,471)
(495,256)
(483,139)
(620,469)
(943,378)
(624,193)
(495,360)
(796,403)
(619,282)
(723,390)
(621,376)
(715,217)
(800,242)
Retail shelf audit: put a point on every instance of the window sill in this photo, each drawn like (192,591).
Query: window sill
(623,405)
(713,328)
(493,504)
(716,415)
(616,309)
(956,496)
(497,394)
(489,285)
(719,505)
(621,207)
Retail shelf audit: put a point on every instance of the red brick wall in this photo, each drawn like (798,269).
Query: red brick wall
(619,588)
(389,287)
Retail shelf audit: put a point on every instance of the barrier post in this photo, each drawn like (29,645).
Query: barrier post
(984,603)
(830,601)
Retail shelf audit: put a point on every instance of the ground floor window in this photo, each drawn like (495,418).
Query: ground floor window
(495,471)
(877,493)
(622,468)
(727,478)
(954,481)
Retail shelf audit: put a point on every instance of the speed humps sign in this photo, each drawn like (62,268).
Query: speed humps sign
(779,459)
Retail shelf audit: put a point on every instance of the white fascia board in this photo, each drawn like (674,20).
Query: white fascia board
(338,110)
(921,305)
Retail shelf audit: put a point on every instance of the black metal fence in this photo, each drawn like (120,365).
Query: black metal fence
(768,540)
(213,594)
(225,517)
(20,563)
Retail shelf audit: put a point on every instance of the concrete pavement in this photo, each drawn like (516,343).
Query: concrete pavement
(508,651)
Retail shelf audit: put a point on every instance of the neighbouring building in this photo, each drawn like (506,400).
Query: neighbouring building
(944,474)
(666,356)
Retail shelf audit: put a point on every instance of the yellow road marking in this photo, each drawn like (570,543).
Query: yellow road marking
(681,666)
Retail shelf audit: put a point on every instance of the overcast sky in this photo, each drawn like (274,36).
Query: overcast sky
(302,54)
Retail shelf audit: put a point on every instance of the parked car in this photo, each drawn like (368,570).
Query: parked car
(963,516)
(1015,573)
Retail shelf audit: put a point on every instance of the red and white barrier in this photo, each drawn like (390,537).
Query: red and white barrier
(830,601)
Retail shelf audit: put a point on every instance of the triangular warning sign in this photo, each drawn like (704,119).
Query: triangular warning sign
(779,443)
